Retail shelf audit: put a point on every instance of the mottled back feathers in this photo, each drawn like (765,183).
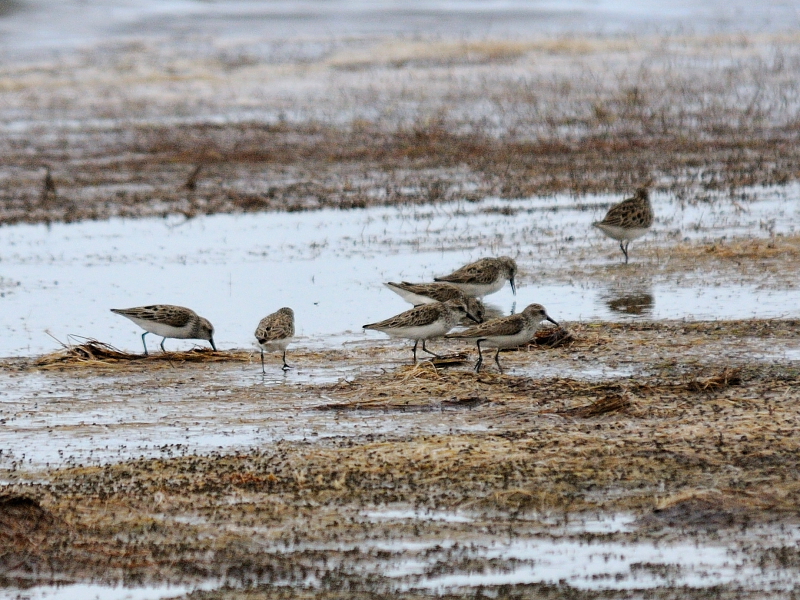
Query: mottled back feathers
(484,271)
(633,213)
(277,326)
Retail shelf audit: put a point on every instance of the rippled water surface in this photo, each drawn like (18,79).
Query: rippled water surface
(58,282)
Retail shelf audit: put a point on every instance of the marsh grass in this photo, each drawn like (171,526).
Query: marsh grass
(691,447)
(409,122)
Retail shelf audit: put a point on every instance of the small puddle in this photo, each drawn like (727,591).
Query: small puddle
(61,280)
(600,565)
(90,591)
(603,552)
(402,515)
(52,420)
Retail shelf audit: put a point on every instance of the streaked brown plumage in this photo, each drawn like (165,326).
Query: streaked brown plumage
(428,293)
(506,332)
(484,276)
(274,332)
(628,220)
(169,321)
(424,322)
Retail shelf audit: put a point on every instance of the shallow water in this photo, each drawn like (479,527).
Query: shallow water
(54,420)
(591,552)
(50,25)
(574,558)
(611,565)
(58,282)
(90,591)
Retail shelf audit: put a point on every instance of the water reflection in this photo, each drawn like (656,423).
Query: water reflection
(630,298)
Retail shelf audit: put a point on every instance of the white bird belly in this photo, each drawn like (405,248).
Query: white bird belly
(622,234)
(508,341)
(424,332)
(164,330)
(479,290)
(274,345)
(411,297)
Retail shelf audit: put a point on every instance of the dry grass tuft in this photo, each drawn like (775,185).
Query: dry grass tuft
(24,526)
(553,337)
(777,247)
(95,353)
(727,377)
(603,406)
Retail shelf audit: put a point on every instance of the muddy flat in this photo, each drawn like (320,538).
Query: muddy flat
(419,478)
(650,449)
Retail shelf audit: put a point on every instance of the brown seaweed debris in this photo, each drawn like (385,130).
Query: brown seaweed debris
(94,352)
(24,526)
(418,387)
(707,509)
(601,406)
(727,377)
(447,360)
(553,337)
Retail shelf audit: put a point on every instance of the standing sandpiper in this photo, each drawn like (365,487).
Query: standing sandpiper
(274,332)
(506,332)
(428,293)
(483,277)
(628,220)
(424,322)
(169,321)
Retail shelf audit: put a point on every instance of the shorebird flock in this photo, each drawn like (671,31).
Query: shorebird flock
(439,306)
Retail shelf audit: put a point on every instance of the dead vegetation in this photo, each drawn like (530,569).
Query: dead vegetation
(685,446)
(25,527)
(94,353)
(505,119)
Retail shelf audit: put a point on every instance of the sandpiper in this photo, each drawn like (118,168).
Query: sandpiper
(628,220)
(424,322)
(274,332)
(505,332)
(483,277)
(428,293)
(169,321)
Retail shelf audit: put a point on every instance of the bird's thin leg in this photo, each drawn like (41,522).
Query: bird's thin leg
(143,343)
(626,251)
(285,367)
(480,357)
(497,360)
(414,351)
(162,344)
(624,248)
(263,370)
(424,349)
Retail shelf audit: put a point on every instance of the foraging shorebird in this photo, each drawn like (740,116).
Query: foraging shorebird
(274,332)
(428,293)
(628,220)
(483,277)
(505,332)
(424,322)
(169,321)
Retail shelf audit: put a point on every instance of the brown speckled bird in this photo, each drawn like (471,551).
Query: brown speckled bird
(628,220)
(506,332)
(483,277)
(274,332)
(169,321)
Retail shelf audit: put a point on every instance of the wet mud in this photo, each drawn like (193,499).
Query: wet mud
(416,478)
(652,453)
(360,123)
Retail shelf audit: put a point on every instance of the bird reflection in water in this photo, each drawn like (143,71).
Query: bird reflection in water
(631,302)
